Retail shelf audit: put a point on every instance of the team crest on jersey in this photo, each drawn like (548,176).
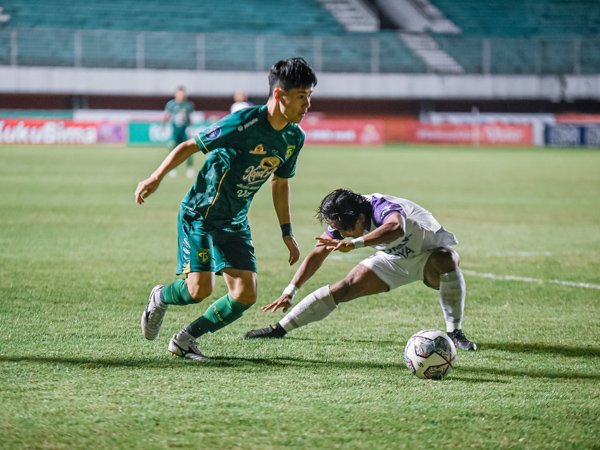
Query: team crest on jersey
(289,151)
(213,133)
(258,150)
(203,255)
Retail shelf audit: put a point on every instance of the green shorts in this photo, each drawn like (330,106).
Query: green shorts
(179,136)
(205,248)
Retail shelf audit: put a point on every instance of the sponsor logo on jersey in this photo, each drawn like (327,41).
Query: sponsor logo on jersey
(401,249)
(249,124)
(289,151)
(254,177)
(258,150)
(269,163)
(213,133)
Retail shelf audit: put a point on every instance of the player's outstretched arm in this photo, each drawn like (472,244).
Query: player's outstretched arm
(179,154)
(280,190)
(390,230)
(307,269)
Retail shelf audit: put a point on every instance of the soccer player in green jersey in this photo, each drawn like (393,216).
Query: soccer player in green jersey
(243,150)
(178,111)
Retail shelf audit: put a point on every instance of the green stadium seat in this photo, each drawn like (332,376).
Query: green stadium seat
(217,35)
(526,36)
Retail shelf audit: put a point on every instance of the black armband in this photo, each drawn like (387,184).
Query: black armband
(286,230)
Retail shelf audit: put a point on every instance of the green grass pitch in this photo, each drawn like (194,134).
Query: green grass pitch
(78,258)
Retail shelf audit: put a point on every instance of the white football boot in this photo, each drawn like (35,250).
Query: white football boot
(184,345)
(153,315)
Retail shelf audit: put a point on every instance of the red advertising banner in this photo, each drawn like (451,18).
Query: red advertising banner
(337,131)
(42,131)
(577,118)
(319,130)
(470,134)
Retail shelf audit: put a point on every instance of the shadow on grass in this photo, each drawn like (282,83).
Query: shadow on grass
(229,361)
(533,373)
(285,361)
(515,347)
(218,361)
(475,380)
(344,339)
(562,350)
(90,363)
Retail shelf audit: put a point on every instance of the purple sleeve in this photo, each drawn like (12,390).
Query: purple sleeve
(382,208)
(333,233)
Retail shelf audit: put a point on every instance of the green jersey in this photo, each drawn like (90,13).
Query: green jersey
(179,112)
(243,151)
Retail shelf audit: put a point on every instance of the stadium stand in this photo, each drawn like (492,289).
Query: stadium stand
(268,16)
(214,36)
(523,18)
(495,36)
(523,36)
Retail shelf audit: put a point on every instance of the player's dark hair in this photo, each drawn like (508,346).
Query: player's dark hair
(291,73)
(343,207)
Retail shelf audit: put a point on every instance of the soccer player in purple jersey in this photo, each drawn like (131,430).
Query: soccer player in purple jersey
(411,246)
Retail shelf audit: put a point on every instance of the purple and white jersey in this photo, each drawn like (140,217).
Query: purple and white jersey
(422,231)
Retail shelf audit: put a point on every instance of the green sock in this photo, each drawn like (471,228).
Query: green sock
(218,315)
(176,293)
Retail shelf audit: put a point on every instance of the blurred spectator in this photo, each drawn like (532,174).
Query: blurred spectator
(240,101)
(177,112)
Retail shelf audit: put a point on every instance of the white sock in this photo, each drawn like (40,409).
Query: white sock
(452,298)
(315,306)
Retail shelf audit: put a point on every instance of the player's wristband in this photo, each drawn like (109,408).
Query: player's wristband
(291,290)
(286,230)
(358,242)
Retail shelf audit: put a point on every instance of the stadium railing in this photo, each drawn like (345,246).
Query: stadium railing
(381,52)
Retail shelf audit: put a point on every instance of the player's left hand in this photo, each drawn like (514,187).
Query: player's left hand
(293,248)
(335,244)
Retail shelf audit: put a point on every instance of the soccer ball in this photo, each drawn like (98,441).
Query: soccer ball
(430,354)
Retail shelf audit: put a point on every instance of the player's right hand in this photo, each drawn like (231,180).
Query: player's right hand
(334,245)
(146,188)
(284,302)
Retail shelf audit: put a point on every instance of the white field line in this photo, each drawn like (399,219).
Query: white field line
(521,254)
(530,280)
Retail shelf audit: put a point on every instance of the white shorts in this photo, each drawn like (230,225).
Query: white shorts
(395,271)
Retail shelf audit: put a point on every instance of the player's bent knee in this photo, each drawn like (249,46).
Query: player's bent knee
(444,260)
(246,300)
(244,294)
(342,290)
(199,292)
